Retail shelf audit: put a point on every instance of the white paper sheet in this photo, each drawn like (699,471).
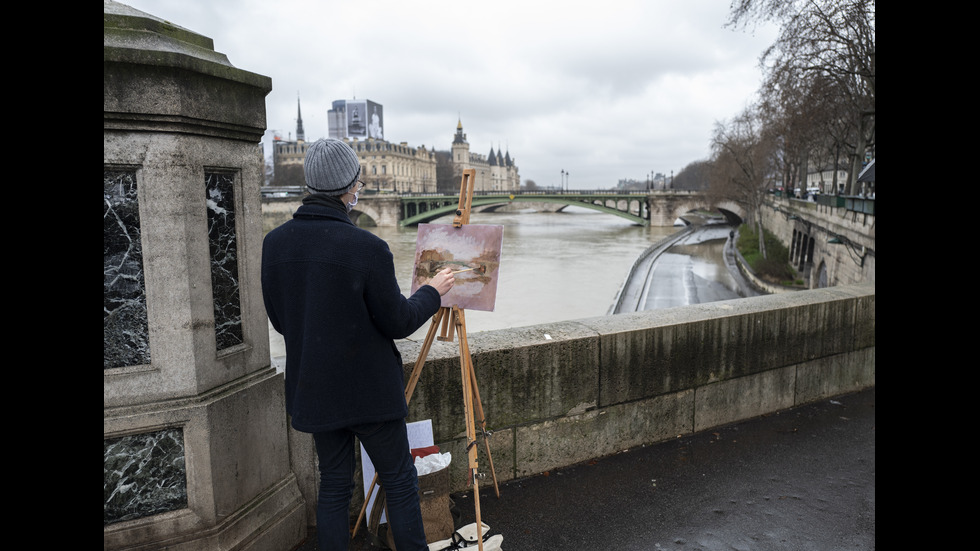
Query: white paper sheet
(419,436)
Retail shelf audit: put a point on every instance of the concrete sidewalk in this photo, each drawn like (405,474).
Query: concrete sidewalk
(801,479)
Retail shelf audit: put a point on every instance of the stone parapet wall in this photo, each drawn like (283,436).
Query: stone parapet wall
(563,393)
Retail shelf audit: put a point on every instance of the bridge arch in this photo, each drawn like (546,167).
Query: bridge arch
(733,218)
(365,215)
(733,212)
(362,219)
(668,207)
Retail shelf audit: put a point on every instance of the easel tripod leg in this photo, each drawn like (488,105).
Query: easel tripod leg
(477,402)
(466,367)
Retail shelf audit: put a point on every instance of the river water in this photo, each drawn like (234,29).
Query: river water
(554,266)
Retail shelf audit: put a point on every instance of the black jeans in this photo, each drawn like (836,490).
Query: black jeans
(387,445)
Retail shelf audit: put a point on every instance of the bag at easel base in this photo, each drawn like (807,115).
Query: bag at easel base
(436,505)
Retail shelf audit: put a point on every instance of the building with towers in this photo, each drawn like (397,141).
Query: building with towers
(495,172)
(388,167)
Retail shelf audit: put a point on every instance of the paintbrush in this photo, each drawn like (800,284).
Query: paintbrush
(481,269)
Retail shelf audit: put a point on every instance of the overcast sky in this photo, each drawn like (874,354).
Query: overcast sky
(605,91)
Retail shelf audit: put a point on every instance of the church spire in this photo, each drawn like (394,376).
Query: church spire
(300,135)
(460,137)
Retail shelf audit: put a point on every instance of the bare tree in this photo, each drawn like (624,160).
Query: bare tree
(446,180)
(695,176)
(824,55)
(743,165)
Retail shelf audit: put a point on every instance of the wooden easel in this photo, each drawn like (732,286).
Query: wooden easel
(447,321)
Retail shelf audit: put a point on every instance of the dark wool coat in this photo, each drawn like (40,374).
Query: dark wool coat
(329,287)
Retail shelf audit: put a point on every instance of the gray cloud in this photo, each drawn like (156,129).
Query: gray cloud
(615,90)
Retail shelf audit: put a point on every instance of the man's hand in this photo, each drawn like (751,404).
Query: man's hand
(443,281)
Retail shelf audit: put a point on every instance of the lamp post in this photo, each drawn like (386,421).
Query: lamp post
(561,183)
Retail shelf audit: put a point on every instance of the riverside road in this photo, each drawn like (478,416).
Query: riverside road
(802,479)
(660,279)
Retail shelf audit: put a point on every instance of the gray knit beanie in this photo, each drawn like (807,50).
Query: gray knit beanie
(331,167)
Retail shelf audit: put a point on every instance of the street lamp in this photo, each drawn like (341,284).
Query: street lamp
(561,183)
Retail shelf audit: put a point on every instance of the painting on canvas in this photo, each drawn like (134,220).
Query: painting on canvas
(471,247)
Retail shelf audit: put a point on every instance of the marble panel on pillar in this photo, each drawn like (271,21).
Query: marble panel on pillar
(125,327)
(144,474)
(223,242)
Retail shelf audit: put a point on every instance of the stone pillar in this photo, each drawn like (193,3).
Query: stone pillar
(196,451)
(661,210)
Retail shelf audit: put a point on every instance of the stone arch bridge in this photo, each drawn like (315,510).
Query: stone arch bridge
(657,208)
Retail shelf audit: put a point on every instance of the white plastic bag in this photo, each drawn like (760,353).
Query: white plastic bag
(432,462)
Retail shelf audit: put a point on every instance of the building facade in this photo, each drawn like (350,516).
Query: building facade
(287,163)
(823,179)
(495,172)
(388,167)
(385,167)
(395,168)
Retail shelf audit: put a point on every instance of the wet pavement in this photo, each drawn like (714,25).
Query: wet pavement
(681,270)
(801,479)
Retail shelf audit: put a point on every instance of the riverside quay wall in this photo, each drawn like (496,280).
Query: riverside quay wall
(829,243)
(563,393)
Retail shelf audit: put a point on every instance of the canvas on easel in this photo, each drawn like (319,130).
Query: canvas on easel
(472,251)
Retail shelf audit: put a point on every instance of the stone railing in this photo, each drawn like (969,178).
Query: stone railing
(563,393)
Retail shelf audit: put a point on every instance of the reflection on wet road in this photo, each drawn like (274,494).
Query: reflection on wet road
(692,268)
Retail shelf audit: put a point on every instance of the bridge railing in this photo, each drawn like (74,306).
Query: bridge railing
(296,191)
(526,193)
(855,203)
(282,191)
